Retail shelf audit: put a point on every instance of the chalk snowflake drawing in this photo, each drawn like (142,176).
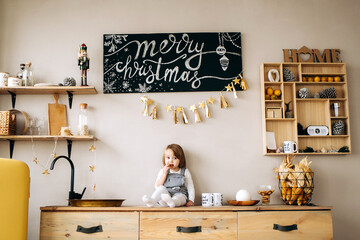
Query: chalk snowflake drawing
(125,85)
(113,40)
(143,88)
(109,87)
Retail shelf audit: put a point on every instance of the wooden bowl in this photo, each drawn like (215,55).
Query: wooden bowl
(243,203)
(96,202)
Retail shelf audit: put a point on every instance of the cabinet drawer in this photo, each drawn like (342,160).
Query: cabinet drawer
(101,225)
(309,225)
(186,225)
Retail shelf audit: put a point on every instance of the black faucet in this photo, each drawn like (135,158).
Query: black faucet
(72,194)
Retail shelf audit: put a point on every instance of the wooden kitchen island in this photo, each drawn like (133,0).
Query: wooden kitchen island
(226,222)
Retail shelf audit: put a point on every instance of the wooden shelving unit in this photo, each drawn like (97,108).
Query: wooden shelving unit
(306,111)
(69,90)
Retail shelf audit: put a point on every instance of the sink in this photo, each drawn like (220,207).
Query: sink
(96,202)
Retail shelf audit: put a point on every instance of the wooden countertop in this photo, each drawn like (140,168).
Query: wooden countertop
(184,209)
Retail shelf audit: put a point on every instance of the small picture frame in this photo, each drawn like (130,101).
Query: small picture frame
(273,112)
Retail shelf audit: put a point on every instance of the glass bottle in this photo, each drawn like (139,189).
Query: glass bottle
(21,73)
(28,76)
(83,121)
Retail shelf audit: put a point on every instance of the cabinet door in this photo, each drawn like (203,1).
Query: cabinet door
(89,225)
(188,225)
(285,225)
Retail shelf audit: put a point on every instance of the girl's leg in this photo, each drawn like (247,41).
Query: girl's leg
(177,200)
(157,194)
(155,197)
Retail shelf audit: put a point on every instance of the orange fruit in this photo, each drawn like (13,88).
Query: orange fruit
(304,79)
(269,91)
(323,79)
(273,97)
(317,79)
(267,97)
(330,79)
(337,79)
(310,79)
(277,92)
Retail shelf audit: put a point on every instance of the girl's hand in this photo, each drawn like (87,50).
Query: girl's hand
(189,203)
(166,169)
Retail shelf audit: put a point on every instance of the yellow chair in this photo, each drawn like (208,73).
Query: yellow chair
(14,199)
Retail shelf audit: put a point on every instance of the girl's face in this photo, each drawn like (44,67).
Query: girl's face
(171,160)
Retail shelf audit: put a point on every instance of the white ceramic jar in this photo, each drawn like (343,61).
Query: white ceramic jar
(4,79)
(14,82)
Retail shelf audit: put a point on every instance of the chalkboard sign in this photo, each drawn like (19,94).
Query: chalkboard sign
(171,62)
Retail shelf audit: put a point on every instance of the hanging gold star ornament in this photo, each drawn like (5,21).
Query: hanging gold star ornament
(228,88)
(184,117)
(234,90)
(45,172)
(92,148)
(196,112)
(223,102)
(211,100)
(54,155)
(243,84)
(236,81)
(92,168)
(168,108)
(35,160)
(147,103)
(153,113)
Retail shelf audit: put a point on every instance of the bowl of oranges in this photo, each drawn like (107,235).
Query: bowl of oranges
(272,94)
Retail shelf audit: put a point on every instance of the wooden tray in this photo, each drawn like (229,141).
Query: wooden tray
(96,202)
(243,203)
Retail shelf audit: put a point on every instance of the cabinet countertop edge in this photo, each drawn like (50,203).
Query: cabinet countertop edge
(226,208)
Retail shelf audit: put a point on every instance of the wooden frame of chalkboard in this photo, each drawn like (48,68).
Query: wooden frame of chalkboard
(170,62)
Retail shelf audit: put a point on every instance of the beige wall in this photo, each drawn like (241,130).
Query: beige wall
(224,153)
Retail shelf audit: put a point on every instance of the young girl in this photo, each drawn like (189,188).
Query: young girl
(174,186)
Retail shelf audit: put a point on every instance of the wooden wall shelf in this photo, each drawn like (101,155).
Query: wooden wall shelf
(307,111)
(46,138)
(49,90)
(69,90)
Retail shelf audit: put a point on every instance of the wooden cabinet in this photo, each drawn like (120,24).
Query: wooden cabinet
(312,107)
(89,225)
(285,225)
(226,222)
(188,225)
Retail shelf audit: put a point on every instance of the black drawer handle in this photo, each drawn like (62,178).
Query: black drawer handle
(90,229)
(188,229)
(285,228)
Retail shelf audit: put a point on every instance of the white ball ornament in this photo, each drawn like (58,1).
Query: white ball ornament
(243,195)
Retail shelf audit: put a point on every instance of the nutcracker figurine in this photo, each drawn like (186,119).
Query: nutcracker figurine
(84,63)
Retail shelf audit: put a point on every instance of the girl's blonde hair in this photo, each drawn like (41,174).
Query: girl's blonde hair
(179,153)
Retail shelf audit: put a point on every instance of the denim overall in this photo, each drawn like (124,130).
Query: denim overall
(175,183)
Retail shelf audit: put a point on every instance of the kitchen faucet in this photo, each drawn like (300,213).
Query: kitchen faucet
(72,194)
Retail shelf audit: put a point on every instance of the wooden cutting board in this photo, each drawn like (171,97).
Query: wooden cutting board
(57,116)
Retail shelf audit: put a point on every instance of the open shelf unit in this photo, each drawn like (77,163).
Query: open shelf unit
(69,90)
(306,111)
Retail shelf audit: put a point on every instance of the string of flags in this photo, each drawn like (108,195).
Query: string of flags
(203,105)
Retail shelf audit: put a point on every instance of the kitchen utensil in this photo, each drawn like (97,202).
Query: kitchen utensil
(57,116)
(265,191)
(96,202)
(243,203)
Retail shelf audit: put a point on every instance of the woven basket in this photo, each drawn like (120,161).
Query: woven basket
(7,123)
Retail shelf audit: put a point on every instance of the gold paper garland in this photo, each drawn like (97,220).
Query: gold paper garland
(202,105)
